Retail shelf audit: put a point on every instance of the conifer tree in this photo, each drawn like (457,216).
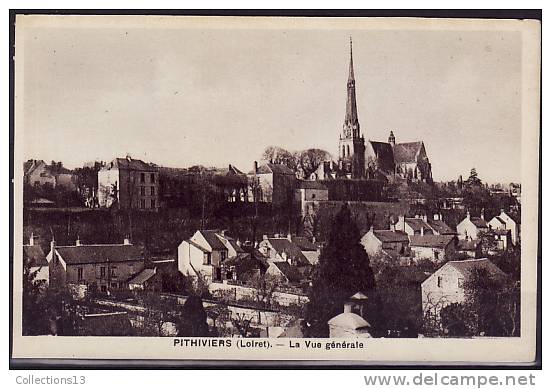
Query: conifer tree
(343,270)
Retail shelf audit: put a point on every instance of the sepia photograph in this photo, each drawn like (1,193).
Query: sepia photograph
(211,187)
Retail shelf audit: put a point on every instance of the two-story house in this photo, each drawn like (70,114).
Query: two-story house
(205,252)
(392,242)
(100,267)
(435,248)
(505,222)
(446,285)
(472,227)
(129,184)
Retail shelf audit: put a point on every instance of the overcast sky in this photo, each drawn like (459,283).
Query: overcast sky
(179,97)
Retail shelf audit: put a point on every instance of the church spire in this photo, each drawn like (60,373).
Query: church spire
(351,127)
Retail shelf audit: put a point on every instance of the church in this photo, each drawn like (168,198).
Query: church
(361,159)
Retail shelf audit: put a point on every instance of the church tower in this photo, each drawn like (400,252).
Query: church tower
(351,143)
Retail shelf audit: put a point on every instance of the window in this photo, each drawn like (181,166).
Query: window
(206,259)
(436,254)
(142,177)
(153,203)
(102,272)
(152,177)
(222,256)
(79,274)
(439,281)
(152,191)
(142,190)
(113,272)
(142,204)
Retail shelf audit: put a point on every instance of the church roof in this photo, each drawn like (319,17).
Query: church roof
(384,154)
(406,152)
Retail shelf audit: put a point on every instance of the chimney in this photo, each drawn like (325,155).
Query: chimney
(276,236)
(264,237)
(52,245)
(289,237)
(255,167)
(482,213)
(126,241)
(468,215)
(347,307)
(313,239)
(371,229)
(436,216)
(392,226)
(238,242)
(402,222)
(31,240)
(424,217)
(77,243)
(223,233)
(422,230)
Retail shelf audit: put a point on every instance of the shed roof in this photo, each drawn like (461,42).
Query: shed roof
(143,276)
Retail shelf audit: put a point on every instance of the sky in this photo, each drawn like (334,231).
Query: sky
(179,96)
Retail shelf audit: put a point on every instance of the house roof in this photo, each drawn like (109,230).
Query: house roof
(238,249)
(440,227)
(391,236)
(310,185)
(349,320)
(211,236)
(304,244)
(197,246)
(34,256)
(143,276)
(406,152)
(384,154)
(75,255)
(437,241)
(416,224)
(479,222)
(500,220)
(130,164)
(358,296)
(284,245)
(500,232)
(292,273)
(466,266)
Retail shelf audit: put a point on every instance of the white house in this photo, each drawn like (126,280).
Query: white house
(414,225)
(435,248)
(445,286)
(282,249)
(389,241)
(472,227)
(505,222)
(205,252)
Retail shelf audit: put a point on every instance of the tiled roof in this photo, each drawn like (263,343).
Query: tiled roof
(384,154)
(465,267)
(34,256)
(74,255)
(406,152)
(440,227)
(416,224)
(143,276)
(480,223)
(500,220)
(391,236)
(304,244)
(212,239)
(131,164)
(292,273)
(438,241)
(238,249)
(197,246)
(283,245)
(311,185)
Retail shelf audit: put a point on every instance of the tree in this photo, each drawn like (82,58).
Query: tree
(193,318)
(343,270)
(34,322)
(311,159)
(157,312)
(278,155)
(473,179)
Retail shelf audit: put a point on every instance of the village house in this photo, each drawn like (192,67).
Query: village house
(472,227)
(392,242)
(129,184)
(435,248)
(101,267)
(272,183)
(446,285)
(309,248)
(205,252)
(504,222)
(414,226)
(35,259)
(469,248)
(37,172)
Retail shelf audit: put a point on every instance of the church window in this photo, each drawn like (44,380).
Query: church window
(348,151)
(343,153)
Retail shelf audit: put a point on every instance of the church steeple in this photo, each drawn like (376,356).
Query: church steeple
(351,126)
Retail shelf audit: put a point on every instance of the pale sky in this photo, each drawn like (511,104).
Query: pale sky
(179,97)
